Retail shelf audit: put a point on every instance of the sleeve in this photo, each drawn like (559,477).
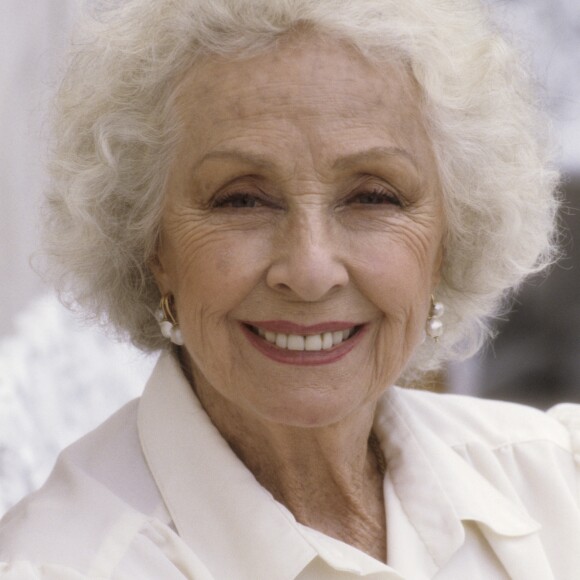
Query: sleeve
(21,570)
(568,415)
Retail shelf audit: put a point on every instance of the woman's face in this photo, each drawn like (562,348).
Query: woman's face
(302,230)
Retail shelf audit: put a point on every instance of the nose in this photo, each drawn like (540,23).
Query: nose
(308,259)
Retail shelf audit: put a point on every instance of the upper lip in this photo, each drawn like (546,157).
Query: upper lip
(287,327)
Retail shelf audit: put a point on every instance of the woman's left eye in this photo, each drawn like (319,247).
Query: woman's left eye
(375,198)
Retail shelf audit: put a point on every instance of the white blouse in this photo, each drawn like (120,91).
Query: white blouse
(474,489)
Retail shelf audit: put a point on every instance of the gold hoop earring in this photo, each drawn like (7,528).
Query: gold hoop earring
(167,322)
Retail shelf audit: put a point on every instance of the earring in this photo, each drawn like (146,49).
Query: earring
(434,325)
(167,323)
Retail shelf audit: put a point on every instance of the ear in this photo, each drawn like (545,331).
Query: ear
(438,266)
(157,267)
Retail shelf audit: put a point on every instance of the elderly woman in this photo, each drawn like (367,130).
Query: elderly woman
(282,195)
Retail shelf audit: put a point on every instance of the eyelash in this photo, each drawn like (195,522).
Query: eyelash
(377,195)
(229,199)
(239,200)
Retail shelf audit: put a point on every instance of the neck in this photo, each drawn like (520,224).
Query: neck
(329,477)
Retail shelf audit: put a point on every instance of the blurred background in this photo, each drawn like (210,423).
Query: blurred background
(59,378)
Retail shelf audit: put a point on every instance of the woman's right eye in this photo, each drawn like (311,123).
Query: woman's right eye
(238,200)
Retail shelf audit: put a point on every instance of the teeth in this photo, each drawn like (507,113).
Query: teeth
(310,342)
(327,340)
(295,342)
(313,342)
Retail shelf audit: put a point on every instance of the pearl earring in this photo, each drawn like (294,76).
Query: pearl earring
(167,323)
(434,325)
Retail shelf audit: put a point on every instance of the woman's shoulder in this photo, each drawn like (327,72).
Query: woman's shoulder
(462,420)
(510,471)
(99,489)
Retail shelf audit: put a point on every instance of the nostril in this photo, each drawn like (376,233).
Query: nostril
(308,275)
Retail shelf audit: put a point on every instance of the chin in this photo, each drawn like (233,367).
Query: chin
(312,411)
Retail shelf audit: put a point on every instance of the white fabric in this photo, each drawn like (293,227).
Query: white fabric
(474,489)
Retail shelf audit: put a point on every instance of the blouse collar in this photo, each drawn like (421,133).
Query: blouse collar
(216,504)
(218,507)
(437,488)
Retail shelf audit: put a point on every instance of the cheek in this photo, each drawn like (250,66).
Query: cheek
(214,269)
(397,267)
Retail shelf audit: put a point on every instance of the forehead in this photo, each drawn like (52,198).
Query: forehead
(311,91)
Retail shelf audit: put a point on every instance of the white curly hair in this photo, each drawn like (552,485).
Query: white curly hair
(115,134)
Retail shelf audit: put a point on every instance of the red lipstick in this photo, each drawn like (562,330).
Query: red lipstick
(302,357)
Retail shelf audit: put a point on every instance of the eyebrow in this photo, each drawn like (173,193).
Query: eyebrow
(372,154)
(345,162)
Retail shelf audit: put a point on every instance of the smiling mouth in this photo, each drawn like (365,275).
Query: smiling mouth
(305,342)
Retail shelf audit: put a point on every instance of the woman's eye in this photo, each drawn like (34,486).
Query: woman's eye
(375,198)
(239,200)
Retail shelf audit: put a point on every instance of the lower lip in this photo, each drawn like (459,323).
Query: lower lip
(303,357)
